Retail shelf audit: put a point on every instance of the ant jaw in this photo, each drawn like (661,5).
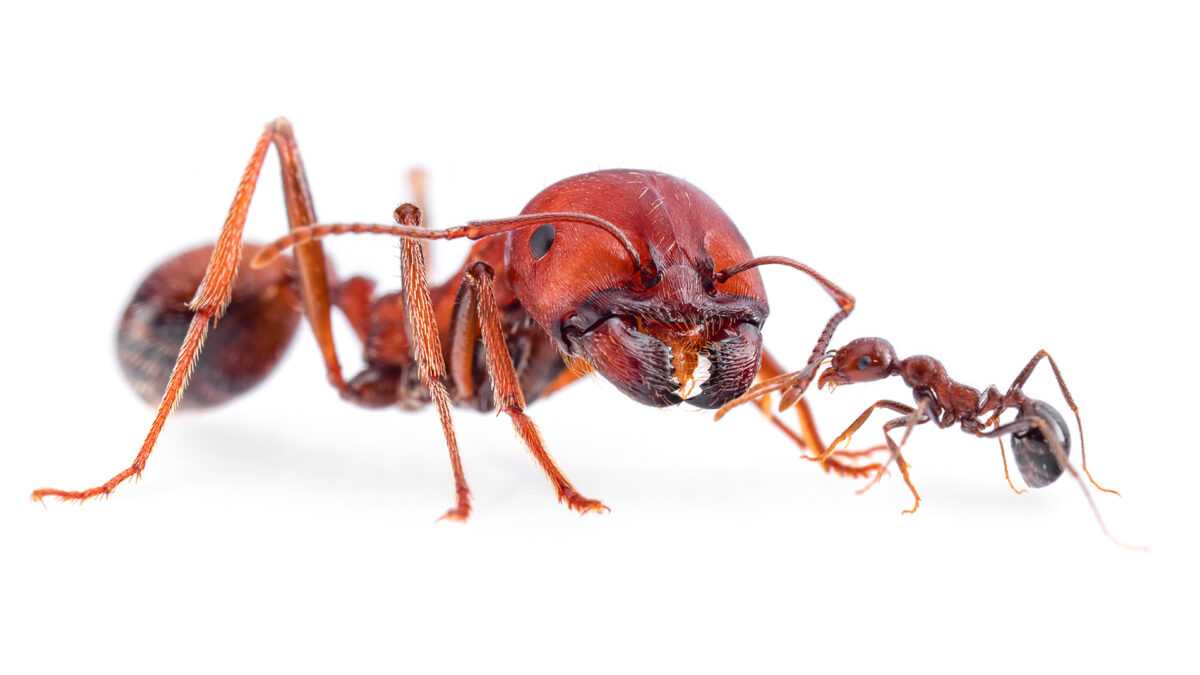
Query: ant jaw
(829,379)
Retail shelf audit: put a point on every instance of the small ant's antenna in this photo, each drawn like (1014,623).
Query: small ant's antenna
(473,230)
(799,381)
(787,381)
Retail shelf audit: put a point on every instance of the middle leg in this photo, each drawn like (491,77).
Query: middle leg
(427,348)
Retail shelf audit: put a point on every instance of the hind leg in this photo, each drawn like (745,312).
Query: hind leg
(216,295)
(1019,382)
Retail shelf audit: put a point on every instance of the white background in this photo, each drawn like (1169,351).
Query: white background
(986,180)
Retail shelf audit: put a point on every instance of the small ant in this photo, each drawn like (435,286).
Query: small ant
(1040,437)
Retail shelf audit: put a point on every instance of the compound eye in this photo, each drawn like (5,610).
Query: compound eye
(541,241)
(863,362)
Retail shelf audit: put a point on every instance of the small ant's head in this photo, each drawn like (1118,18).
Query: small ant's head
(1039,464)
(861,360)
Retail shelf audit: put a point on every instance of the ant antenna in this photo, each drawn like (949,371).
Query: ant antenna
(786,382)
(473,230)
(845,301)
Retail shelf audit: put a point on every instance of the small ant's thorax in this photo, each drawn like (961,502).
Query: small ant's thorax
(961,400)
(922,372)
(925,373)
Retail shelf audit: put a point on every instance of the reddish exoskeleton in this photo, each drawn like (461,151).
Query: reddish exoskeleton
(1041,439)
(634,274)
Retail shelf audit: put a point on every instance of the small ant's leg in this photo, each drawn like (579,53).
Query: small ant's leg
(911,488)
(1004,458)
(1007,477)
(770,370)
(845,436)
(772,375)
(427,347)
(1027,423)
(917,416)
(833,464)
(215,291)
(1062,385)
(507,387)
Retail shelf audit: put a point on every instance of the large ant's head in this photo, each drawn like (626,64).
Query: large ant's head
(669,344)
(861,360)
(1039,464)
(665,330)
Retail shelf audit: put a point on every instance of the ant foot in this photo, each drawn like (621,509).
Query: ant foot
(461,510)
(1099,486)
(40,494)
(458,514)
(579,503)
(849,470)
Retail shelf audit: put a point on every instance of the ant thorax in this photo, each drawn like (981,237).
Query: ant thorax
(925,373)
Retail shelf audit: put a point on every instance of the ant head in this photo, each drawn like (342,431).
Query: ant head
(674,335)
(861,360)
(1039,464)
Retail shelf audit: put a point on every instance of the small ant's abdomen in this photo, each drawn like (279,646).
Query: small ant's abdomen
(240,351)
(1035,457)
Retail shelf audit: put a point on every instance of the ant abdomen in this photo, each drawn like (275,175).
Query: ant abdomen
(1035,457)
(238,354)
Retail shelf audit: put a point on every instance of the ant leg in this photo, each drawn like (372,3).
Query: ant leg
(1062,385)
(845,436)
(507,387)
(354,297)
(568,377)
(215,291)
(770,371)
(1004,458)
(418,184)
(918,416)
(427,347)
(808,438)
(1025,424)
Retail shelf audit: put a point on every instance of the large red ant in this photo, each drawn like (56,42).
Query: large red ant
(634,274)
(1041,438)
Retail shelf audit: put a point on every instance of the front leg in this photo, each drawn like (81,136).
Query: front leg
(507,387)
(808,439)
